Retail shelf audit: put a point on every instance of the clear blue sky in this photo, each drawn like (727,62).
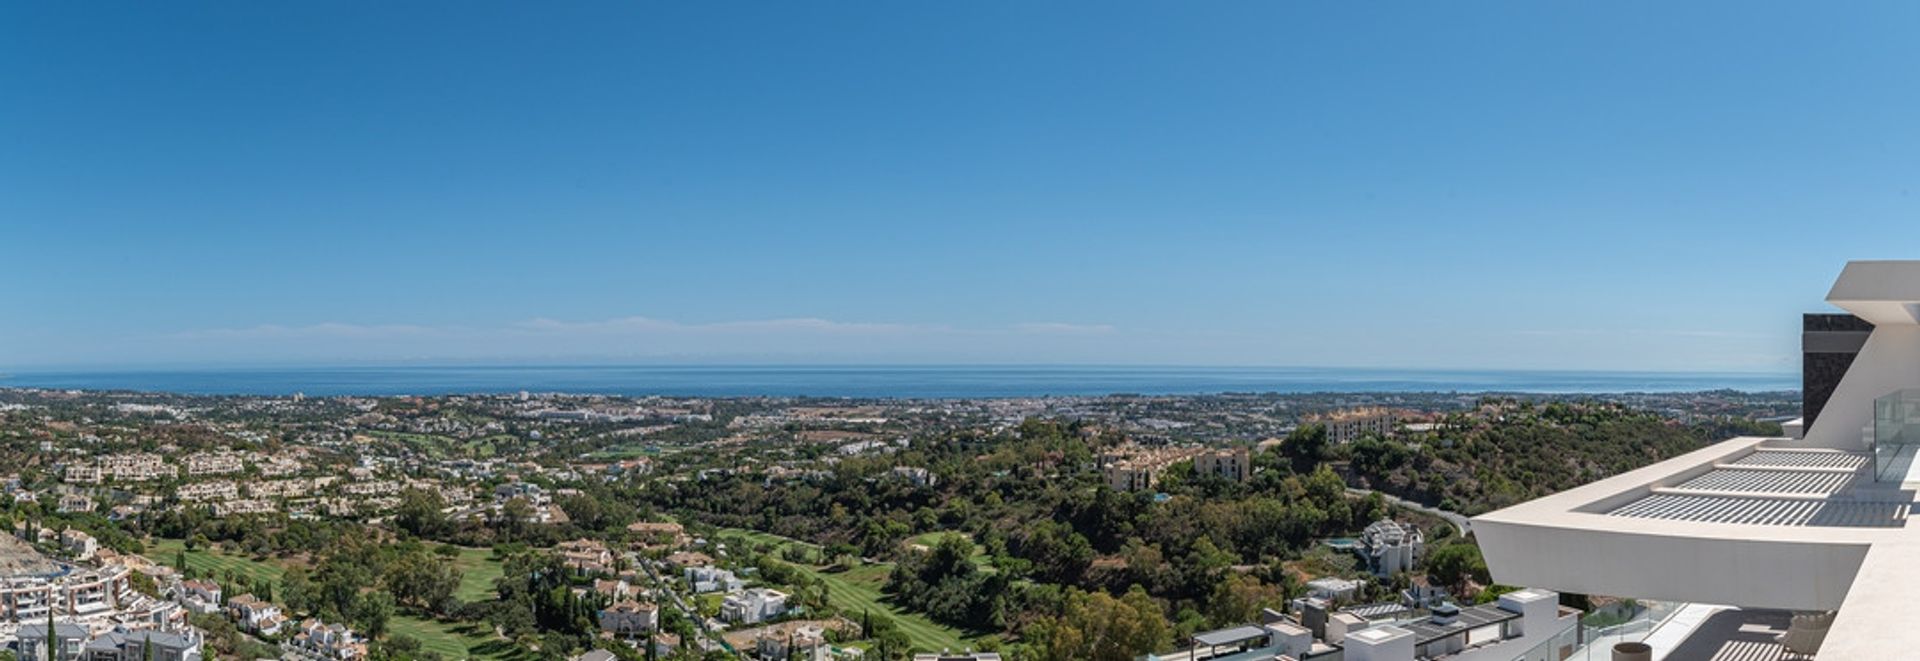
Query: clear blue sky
(1618,185)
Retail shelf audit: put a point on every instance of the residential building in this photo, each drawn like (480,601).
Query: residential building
(1232,464)
(134,467)
(23,599)
(255,615)
(708,578)
(74,503)
(1391,547)
(657,533)
(80,544)
(1350,425)
(69,639)
(214,463)
(82,474)
(915,475)
(122,644)
(199,596)
(89,594)
(1524,625)
(317,640)
(1335,589)
(1138,469)
(586,556)
(753,606)
(208,491)
(630,618)
(801,643)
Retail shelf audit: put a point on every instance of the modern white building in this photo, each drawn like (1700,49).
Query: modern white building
(1391,547)
(1523,625)
(753,606)
(1813,524)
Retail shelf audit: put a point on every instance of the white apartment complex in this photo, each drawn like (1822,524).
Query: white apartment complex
(1350,425)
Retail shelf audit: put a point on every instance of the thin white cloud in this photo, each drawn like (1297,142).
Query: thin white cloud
(631,326)
(1595,332)
(1059,328)
(321,330)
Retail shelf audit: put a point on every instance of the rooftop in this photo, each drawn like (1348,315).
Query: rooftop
(1469,619)
(1231,636)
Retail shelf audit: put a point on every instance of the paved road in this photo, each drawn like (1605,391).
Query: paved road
(1460,522)
(706,640)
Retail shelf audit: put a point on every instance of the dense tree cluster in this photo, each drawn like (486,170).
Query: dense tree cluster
(1510,451)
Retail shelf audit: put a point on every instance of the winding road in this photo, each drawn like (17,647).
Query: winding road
(1461,524)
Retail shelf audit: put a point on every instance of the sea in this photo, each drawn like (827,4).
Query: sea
(907,382)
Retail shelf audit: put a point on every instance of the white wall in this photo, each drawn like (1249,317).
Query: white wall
(1890,361)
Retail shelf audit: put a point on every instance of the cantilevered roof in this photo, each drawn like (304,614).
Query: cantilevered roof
(1881,292)
(1820,483)
(1767,511)
(1804,459)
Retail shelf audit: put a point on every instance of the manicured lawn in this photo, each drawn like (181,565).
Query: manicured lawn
(216,565)
(857,590)
(465,640)
(478,570)
(932,539)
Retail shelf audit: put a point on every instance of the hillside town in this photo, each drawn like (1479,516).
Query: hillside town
(597,527)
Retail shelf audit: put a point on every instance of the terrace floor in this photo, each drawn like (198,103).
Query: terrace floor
(1714,633)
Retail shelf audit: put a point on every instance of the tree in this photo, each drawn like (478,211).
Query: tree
(1239,598)
(1305,447)
(1453,564)
(420,514)
(1098,627)
(372,612)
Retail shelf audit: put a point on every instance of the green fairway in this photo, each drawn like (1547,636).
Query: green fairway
(858,590)
(216,565)
(465,640)
(478,570)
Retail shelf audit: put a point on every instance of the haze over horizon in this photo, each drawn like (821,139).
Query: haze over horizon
(1510,186)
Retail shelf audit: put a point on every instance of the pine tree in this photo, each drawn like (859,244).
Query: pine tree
(146,648)
(53,643)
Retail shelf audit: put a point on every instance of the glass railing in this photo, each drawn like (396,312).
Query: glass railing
(1896,434)
(1627,622)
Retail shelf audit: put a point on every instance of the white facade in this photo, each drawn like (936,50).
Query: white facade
(753,606)
(1391,546)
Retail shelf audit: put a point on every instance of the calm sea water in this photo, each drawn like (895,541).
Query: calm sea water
(865,381)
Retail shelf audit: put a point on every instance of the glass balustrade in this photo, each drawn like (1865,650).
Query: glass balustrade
(1896,434)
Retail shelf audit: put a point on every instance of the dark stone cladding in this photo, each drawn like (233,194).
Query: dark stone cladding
(1833,322)
(1828,344)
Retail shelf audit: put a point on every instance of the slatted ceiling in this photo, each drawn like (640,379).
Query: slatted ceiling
(1775,458)
(1753,481)
(1766,511)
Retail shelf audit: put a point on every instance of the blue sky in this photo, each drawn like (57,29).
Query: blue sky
(1623,185)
